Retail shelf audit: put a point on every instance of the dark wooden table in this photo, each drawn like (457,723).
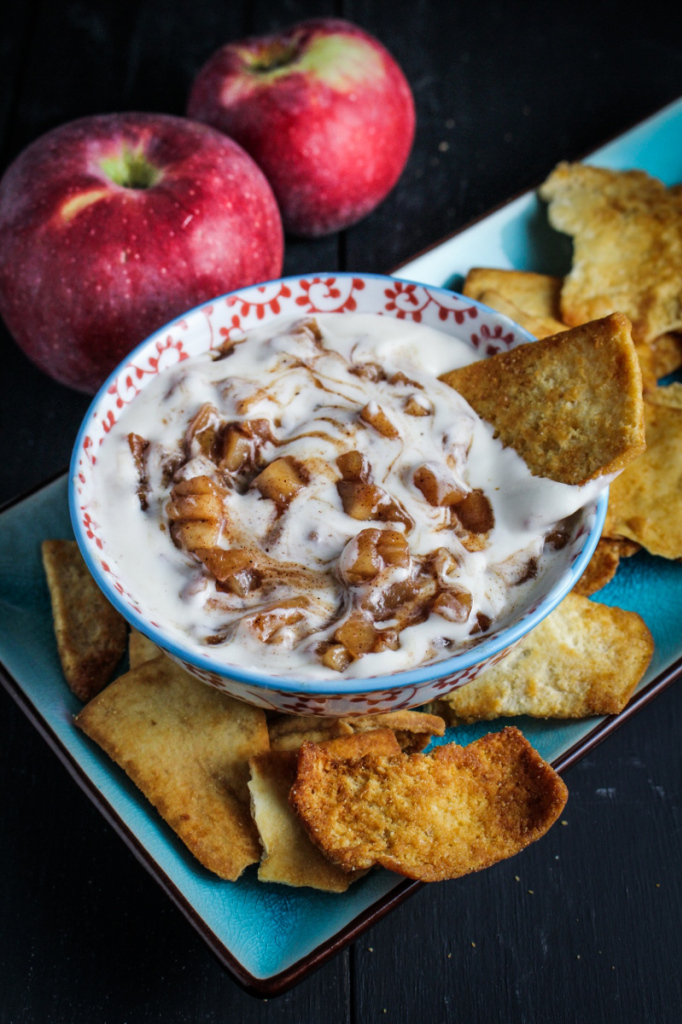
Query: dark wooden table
(584,926)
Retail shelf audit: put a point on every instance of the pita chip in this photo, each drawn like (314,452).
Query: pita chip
(538,295)
(91,635)
(425,816)
(570,405)
(187,746)
(289,857)
(583,659)
(627,246)
(141,649)
(667,354)
(412,729)
(645,501)
(603,565)
(539,328)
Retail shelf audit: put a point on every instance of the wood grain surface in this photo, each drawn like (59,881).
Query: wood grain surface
(584,926)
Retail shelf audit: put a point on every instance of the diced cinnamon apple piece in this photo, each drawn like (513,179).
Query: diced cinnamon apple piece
(377,418)
(368,371)
(281,480)
(336,657)
(360,561)
(453,605)
(237,449)
(417,406)
(196,512)
(138,449)
(238,444)
(357,634)
(367,501)
(475,512)
(271,624)
(370,551)
(236,569)
(309,327)
(400,378)
(483,622)
(387,640)
(196,533)
(438,487)
(393,548)
(202,430)
(354,466)
(406,601)
(443,563)
(197,498)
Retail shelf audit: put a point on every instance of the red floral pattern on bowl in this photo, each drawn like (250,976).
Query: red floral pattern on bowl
(228,318)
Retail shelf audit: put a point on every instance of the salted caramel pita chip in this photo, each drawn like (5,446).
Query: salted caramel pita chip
(583,659)
(412,728)
(627,246)
(645,502)
(141,649)
(429,817)
(570,405)
(91,635)
(603,565)
(186,745)
(536,326)
(538,295)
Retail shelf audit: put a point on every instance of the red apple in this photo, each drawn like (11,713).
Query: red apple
(322,108)
(110,226)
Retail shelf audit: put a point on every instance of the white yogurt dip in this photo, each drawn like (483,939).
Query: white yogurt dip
(316,501)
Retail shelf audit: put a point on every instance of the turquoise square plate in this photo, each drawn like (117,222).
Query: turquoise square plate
(270,936)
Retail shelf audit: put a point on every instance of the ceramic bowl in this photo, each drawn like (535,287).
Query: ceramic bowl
(207,327)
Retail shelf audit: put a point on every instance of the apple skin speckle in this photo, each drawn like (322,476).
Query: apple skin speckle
(79,292)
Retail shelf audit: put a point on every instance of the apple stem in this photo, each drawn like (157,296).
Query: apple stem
(273,57)
(131,169)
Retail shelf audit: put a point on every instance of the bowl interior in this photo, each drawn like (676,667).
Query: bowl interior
(227,318)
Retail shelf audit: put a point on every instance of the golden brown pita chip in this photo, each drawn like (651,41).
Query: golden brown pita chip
(570,405)
(583,659)
(379,742)
(647,364)
(91,635)
(535,325)
(670,396)
(141,649)
(627,246)
(603,565)
(667,354)
(645,502)
(428,816)
(288,732)
(289,857)
(538,295)
(186,745)
(412,728)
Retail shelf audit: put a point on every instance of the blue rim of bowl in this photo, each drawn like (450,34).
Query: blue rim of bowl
(353,686)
